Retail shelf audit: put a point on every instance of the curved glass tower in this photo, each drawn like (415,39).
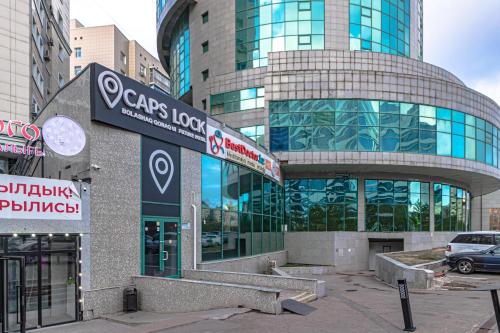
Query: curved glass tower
(375,144)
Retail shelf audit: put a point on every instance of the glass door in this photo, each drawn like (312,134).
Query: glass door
(161,247)
(13,304)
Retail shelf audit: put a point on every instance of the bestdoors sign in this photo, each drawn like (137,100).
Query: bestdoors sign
(38,198)
(125,103)
(230,148)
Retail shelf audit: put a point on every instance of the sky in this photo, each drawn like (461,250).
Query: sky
(461,36)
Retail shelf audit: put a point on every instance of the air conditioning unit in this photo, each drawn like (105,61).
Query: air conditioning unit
(46,55)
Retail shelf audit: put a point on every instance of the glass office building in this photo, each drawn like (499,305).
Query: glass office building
(373,142)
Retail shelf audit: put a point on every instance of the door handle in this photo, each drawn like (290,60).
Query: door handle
(165,255)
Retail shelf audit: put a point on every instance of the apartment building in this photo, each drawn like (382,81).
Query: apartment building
(108,46)
(34,65)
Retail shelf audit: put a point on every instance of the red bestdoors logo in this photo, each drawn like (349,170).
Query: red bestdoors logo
(241,149)
(216,141)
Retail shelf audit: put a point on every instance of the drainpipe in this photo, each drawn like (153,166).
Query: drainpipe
(194,236)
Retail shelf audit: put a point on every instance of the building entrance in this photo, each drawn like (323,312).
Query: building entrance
(38,281)
(12,294)
(161,247)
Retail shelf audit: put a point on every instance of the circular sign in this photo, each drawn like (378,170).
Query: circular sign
(63,135)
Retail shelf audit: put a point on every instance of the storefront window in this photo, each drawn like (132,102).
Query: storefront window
(451,208)
(321,204)
(53,279)
(249,218)
(397,205)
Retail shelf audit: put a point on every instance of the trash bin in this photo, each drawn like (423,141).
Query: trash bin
(130,300)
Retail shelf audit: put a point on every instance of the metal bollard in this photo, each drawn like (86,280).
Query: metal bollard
(405,304)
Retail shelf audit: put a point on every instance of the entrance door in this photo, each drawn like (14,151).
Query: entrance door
(12,294)
(161,244)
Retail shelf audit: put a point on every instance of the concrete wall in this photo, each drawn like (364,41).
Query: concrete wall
(251,264)
(390,271)
(174,295)
(260,280)
(349,251)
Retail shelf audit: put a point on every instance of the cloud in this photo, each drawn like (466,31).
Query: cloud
(461,36)
(489,86)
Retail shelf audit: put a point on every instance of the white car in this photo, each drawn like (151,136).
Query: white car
(473,242)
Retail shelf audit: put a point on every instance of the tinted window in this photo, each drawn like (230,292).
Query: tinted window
(486,239)
(497,239)
(464,239)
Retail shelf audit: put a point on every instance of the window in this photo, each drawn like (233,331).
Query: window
(204,17)
(239,100)
(486,239)
(272,26)
(204,104)
(451,208)
(204,46)
(495,221)
(37,36)
(397,205)
(78,52)
(123,58)
(52,273)
(78,70)
(256,133)
(142,70)
(242,211)
(60,80)
(381,26)
(35,109)
(180,75)
(61,53)
(37,76)
(381,126)
(205,75)
(321,204)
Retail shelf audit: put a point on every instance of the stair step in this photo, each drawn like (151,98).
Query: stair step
(305,297)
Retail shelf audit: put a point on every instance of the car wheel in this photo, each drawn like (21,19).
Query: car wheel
(465,266)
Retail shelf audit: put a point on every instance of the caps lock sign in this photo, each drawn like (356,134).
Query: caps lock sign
(126,103)
(230,148)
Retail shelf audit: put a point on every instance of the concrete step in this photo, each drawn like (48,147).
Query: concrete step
(305,297)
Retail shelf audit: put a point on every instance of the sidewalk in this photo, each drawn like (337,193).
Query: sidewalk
(354,303)
(142,322)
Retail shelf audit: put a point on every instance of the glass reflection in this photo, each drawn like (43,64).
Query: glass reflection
(359,125)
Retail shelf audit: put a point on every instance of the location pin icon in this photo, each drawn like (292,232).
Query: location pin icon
(109,85)
(162,169)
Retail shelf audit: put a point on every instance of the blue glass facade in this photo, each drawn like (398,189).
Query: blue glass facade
(238,100)
(380,26)
(264,26)
(397,205)
(321,204)
(451,208)
(242,211)
(180,77)
(381,126)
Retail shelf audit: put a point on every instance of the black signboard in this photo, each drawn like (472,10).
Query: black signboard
(120,101)
(160,176)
